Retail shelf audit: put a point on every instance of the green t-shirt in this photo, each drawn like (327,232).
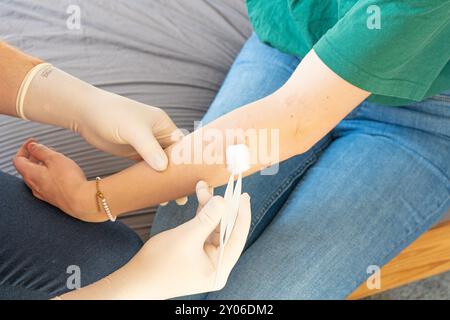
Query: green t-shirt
(398,50)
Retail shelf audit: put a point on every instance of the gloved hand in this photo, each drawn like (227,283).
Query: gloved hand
(180,261)
(108,121)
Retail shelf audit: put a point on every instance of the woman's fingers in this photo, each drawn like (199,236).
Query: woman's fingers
(38,195)
(28,162)
(40,153)
(23,150)
(181,201)
(32,173)
(34,160)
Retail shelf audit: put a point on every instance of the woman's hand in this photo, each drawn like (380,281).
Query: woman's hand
(178,262)
(56,179)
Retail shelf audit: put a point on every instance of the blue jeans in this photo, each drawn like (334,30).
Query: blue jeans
(356,199)
(38,243)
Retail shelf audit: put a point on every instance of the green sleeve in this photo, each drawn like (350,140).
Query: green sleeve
(400,55)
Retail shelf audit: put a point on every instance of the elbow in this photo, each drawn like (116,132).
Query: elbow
(297,130)
(294,138)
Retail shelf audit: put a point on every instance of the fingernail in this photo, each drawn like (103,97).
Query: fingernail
(160,162)
(201,185)
(164,204)
(32,145)
(182,201)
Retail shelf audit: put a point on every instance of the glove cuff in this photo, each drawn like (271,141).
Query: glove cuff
(26,84)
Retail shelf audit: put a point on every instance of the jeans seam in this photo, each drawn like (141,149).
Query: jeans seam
(282,188)
(287,182)
(440,97)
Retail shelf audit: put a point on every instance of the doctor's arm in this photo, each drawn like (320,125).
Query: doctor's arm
(14,65)
(37,91)
(155,273)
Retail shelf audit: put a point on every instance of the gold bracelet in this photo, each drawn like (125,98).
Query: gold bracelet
(102,202)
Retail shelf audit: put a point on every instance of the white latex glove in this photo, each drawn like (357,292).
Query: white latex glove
(108,121)
(180,261)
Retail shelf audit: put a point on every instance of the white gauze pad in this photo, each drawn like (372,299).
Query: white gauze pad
(238,158)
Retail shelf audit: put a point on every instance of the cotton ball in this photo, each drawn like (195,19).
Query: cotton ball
(238,158)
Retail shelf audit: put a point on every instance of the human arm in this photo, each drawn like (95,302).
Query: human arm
(39,92)
(14,65)
(305,109)
(155,273)
(400,60)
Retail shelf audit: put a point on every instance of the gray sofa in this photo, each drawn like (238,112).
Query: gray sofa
(169,53)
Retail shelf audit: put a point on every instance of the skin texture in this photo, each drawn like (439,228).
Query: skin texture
(312,102)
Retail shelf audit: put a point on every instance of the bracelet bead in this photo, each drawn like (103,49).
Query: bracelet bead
(102,202)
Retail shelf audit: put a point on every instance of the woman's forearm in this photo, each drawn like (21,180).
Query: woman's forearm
(312,102)
(14,65)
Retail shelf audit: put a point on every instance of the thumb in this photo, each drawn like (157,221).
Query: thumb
(207,220)
(40,152)
(145,143)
